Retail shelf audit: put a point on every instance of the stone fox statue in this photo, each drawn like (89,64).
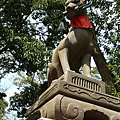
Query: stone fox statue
(76,49)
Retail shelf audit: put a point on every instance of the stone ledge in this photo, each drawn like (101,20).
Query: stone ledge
(65,87)
(65,108)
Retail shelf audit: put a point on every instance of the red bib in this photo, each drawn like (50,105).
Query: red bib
(81,22)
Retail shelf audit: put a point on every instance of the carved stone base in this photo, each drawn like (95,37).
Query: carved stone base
(75,97)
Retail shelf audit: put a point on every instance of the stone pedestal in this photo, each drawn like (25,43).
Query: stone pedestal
(75,97)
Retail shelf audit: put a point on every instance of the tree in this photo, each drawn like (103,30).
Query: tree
(18,46)
(26,46)
(30,90)
(19,49)
(2,95)
(108,35)
(3,105)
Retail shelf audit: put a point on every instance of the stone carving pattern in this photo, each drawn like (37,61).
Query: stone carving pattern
(72,111)
(115,117)
(86,83)
(92,95)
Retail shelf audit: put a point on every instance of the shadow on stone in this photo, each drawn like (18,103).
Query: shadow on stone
(95,115)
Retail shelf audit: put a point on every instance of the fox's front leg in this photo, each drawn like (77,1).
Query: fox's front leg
(51,73)
(63,55)
(86,65)
(63,52)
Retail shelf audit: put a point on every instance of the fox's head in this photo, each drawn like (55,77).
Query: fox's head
(70,8)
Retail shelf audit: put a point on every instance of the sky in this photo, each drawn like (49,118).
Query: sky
(8,86)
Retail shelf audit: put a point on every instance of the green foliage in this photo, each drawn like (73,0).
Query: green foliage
(18,47)
(105,17)
(48,4)
(19,50)
(2,95)
(30,90)
(11,36)
(52,21)
(34,54)
(115,67)
(3,105)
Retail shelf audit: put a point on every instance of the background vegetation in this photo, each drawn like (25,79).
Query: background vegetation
(25,45)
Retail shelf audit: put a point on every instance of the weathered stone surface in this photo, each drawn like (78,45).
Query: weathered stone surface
(66,108)
(67,99)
